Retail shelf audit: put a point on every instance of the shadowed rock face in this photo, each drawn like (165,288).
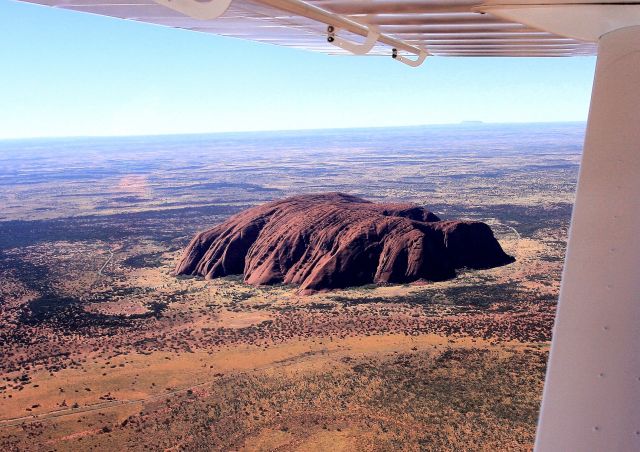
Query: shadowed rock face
(335,240)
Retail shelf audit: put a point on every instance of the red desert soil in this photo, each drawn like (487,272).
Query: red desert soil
(335,240)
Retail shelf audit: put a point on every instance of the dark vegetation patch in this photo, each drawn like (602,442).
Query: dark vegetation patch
(147,260)
(128,199)
(468,295)
(65,312)
(163,226)
(482,295)
(83,174)
(68,316)
(527,220)
(416,298)
(32,276)
(321,306)
(476,371)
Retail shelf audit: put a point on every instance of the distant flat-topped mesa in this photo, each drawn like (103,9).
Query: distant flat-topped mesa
(334,240)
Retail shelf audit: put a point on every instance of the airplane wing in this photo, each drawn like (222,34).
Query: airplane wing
(408,30)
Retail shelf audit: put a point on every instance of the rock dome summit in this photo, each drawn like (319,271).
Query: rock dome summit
(335,240)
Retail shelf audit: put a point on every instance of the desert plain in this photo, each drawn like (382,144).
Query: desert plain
(103,347)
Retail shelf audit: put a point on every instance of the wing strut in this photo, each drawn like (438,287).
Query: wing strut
(318,14)
(356,49)
(422,55)
(591,398)
(207,10)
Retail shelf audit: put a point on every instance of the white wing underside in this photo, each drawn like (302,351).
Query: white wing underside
(437,27)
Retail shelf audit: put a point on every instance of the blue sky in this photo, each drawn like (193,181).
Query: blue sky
(66,74)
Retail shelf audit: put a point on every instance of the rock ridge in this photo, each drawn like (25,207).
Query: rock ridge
(335,240)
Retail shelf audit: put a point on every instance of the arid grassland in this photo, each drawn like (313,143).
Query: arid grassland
(104,348)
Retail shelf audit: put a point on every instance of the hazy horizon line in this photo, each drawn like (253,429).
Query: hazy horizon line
(477,123)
